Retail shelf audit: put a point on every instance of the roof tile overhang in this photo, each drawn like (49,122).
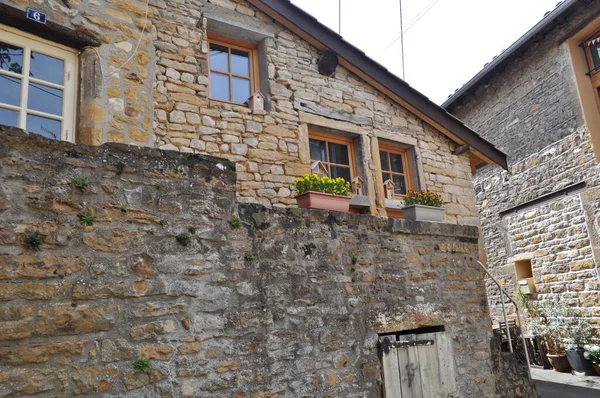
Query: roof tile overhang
(320,36)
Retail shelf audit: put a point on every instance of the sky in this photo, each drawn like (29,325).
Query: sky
(446,42)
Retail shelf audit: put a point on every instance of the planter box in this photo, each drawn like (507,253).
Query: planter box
(424,213)
(323,201)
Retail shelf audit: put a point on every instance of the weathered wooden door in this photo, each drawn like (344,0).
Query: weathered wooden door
(418,366)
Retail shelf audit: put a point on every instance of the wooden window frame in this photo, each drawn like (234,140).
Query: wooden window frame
(404,152)
(68,55)
(594,70)
(335,139)
(230,44)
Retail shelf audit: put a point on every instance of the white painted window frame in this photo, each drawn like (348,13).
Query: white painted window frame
(31,43)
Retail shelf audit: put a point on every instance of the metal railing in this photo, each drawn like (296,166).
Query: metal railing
(502,294)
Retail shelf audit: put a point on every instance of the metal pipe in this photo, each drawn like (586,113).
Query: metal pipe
(502,293)
(523,341)
(506,320)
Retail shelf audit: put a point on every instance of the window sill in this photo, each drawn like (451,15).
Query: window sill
(360,202)
(394,204)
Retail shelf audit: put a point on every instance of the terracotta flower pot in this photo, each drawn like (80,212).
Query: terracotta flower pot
(323,201)
(596,368)
(559,362)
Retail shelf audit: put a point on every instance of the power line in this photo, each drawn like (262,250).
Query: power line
(416,19)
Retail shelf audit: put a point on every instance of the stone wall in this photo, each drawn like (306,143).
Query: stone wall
(144,257)
(160,98)
(560,236)
(530,108)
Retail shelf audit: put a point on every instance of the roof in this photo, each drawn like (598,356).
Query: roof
(541,27)
(352,58)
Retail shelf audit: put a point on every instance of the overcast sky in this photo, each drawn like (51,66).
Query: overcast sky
(450,42)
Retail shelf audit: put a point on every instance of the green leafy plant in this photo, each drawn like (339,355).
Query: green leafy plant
(159,187)
(163,223)
(249,256)
(184,239)
(141,365)
(82,182)
(592,353)
(578,333)
(551,321)
(425,198)
(235,222)
(120,166)
(34,240)
(315,183)
(86,219)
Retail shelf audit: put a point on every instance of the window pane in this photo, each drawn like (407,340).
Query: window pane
(11,58)
(10,90)
(595,51)
(219,86)
(9,118)
(43,126)
(240,63)
(399,185)
(338,153)
(386,177)
(385,164)
(317,150)
(47,68)
(396,163)
(241,90)
(45,99)
(218,58)
(343,172)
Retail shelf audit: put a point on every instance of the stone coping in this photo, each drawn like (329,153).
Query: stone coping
(263,217)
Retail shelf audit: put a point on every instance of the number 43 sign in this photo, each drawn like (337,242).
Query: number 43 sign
(36,15)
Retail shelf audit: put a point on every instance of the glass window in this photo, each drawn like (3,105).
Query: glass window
(231,70)
(393,166)
(37,90)
(335,155)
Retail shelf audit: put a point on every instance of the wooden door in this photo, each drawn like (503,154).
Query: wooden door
(418,366)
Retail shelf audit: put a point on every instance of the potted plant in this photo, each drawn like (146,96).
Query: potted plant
(423,206)
(550,321)
(323,193)
(592,354)
(579,332)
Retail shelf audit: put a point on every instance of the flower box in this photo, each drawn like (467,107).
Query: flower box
(424,213)
(323,201)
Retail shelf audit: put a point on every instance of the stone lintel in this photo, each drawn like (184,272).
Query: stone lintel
(320,121)
(234,25)
(50,31)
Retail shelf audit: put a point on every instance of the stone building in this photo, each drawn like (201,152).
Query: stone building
(177,75)
(538,102)
(153,269)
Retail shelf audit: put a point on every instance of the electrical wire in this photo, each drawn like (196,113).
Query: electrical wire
(413,21)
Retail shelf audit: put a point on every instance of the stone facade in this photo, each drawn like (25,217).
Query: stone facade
(531,109)
(275,303)
(156,93)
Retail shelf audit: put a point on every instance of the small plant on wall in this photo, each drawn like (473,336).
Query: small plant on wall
(323,193)
(34,240)
(141,365)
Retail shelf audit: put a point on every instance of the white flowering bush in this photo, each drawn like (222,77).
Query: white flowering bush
(592,353)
